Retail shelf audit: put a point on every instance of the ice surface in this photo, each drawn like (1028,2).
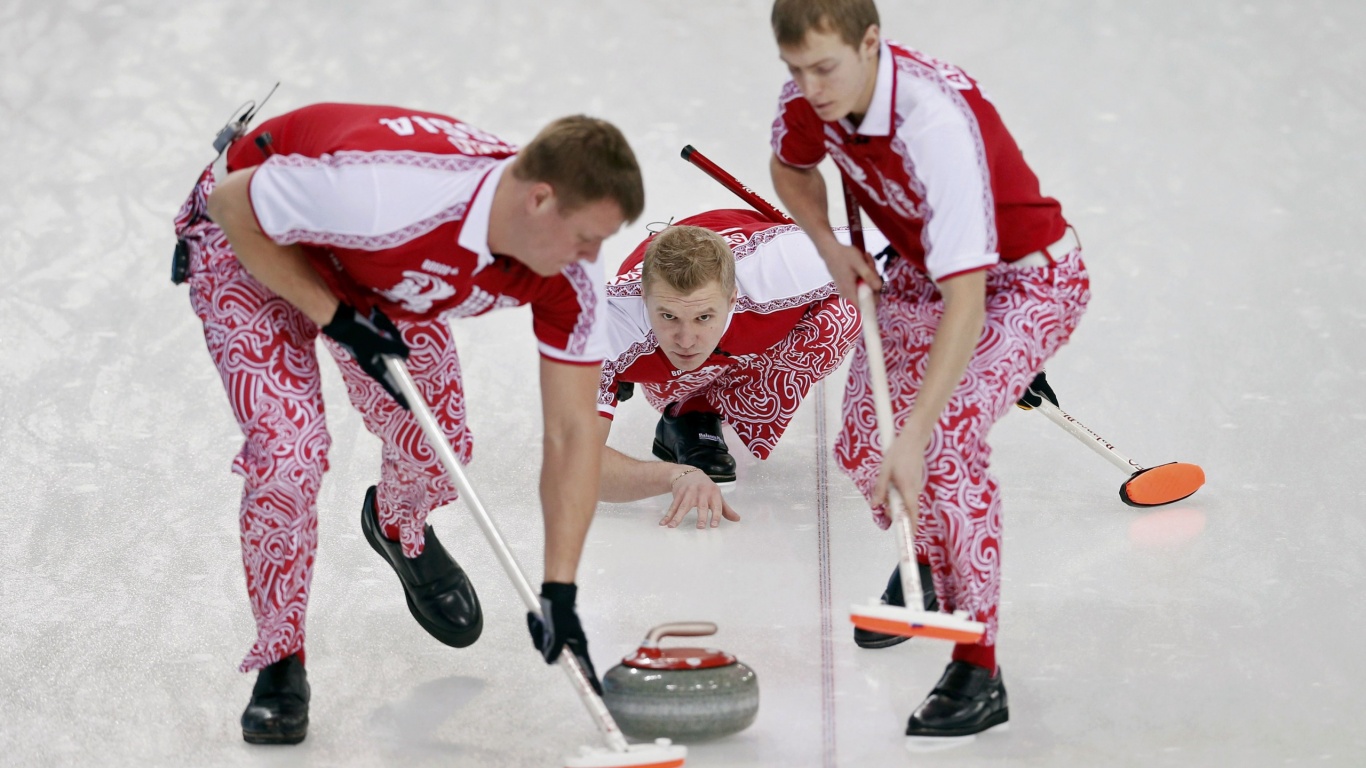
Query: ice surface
(1209,155)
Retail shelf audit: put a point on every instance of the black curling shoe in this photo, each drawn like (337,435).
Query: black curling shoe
(893,596)
(966,700)
(695,439)
(440,595)
(278,710)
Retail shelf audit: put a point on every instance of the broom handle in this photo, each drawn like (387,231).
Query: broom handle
(728,181)
(437,439)
(1081,432)
(903,520)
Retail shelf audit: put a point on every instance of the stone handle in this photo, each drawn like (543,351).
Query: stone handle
(678,629)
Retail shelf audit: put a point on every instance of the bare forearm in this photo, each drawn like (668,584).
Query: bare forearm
(569,494)
(802,190)
(628,479)
(283,269)
(955,341)
(803,193)
(570,463)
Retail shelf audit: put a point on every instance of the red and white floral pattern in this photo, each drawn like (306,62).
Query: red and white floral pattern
(265,352)
(1030,314)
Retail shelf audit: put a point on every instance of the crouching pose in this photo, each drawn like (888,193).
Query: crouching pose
(988,284)
(373,225)
(722,317)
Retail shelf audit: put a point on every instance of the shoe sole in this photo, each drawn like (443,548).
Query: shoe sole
(886,641)
(921,744)
(997,721)
(275,738)
(664,454)
(462,639)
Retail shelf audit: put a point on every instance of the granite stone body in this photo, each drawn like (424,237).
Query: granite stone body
(685,694)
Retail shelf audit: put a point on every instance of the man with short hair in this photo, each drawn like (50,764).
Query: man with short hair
(987,285)
(722,316)
(375,225)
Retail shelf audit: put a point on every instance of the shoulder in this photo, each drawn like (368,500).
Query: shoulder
(778,268)
(924,81)
(628,328)
(567,311)
(789,92)
(793,107)
(935,98)
(922,65)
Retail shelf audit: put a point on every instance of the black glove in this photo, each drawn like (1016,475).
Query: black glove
(1037,391)
(561,629)
(368,340)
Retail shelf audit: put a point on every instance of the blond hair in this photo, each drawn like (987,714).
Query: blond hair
(792,19)
(584,160)
(686,259)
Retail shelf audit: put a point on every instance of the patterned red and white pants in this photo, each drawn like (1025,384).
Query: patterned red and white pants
(265,353)
(758,394)
(1030,314)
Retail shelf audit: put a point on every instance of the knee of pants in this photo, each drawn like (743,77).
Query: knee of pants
(955,466)
(298,457)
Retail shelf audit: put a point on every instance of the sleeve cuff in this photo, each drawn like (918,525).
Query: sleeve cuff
(803,166)
(251,205)
(961,272)
(961,265)
(556,355)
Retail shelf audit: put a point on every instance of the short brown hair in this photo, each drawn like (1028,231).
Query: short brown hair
(687,258)
(584,160)
(792,19)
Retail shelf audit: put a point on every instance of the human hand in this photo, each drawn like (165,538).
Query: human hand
(692,489)
(558,628)
(848,266)
(369,340)
(903,468)
(1037,391)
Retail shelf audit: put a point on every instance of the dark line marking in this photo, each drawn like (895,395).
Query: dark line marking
(829,755)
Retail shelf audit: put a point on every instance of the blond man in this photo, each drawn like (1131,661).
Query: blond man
(724,317)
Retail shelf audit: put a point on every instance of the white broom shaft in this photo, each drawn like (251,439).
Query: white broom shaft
(1097,443)
(437,439)
(882,404)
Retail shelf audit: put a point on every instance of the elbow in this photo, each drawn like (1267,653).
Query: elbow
(575,436)
(217,206)
(781,170)
(778,170)
(229,205)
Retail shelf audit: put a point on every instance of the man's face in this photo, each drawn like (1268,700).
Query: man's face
(553,239)
(688,326)
(836,78)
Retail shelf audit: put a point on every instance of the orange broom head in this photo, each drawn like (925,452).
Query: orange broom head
(660,754)
(1160,485)
(894,620)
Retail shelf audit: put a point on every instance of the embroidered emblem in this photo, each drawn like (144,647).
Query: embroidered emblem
(418,291)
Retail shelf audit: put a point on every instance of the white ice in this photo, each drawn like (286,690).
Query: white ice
(1209,154)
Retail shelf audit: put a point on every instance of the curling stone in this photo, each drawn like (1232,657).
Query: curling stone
(684,694)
